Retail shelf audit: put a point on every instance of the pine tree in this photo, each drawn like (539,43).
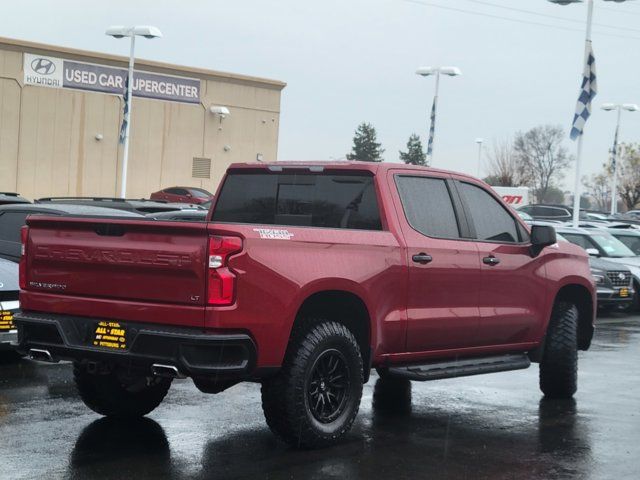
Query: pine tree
(414,154)
(366,147)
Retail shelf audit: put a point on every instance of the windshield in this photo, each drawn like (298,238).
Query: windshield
(612,246)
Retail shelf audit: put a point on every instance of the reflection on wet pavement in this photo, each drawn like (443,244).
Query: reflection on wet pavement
(494,426)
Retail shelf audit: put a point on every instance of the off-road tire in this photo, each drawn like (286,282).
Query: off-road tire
(286,397)
(559,363)
(107,394)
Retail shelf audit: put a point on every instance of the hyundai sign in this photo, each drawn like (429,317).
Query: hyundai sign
(58,73)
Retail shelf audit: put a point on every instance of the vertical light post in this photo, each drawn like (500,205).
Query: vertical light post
(479,141)
(437,71)
(146,31)
(630,107)
(587,48)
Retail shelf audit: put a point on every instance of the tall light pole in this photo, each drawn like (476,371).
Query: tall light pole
(437,71)
(479,142)
(630,107)
(587,48)
(146,31)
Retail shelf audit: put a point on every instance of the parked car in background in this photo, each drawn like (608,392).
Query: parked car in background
(8,303)
(614,283)
(12,218)
(141,206)
(7,198)
(601,244)
(181,216)
(559,213)
(183,195)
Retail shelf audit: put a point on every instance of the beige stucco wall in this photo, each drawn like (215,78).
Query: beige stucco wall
(48,142)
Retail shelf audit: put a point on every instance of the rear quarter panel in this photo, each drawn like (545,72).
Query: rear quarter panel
(275,276)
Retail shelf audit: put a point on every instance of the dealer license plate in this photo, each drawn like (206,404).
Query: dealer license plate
(624,292)
(6,321)
(110,335)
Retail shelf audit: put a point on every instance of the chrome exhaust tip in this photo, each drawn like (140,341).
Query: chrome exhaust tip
(41,355)
(166,371)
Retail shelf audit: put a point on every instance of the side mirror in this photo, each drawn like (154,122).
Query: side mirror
(542,236)
(593,252)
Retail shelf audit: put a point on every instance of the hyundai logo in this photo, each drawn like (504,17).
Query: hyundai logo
(622,276)
(43,66)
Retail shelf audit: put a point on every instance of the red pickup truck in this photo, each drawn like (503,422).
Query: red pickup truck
(304,278)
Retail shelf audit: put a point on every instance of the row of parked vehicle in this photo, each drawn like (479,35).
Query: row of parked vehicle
(613,245)
(174,203)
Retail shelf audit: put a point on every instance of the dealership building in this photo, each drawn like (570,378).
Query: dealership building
(61,115)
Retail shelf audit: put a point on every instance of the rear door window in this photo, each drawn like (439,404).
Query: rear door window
(491,220)
(427,206)
(300,199)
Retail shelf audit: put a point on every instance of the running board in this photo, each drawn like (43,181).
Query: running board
(461,368)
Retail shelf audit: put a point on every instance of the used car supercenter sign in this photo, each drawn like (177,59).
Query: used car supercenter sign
(59,73)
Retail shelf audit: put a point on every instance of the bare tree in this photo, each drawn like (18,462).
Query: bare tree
(629,175)
(599,187)
(542,156)
(503,166)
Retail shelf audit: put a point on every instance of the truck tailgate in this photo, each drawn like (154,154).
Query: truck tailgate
(111,259)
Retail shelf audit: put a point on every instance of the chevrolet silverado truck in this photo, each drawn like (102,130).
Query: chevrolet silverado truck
(305,277)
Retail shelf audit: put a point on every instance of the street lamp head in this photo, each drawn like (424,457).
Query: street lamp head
(426,71)
(608,106)
(451,71)
(479,140)
(147,31)
(117,31)
(630,107)
(565,2)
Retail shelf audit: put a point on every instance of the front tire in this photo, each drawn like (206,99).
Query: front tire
(115,395)
(559,363)
(315,397)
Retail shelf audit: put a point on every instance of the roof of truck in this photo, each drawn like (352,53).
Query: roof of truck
(373,167)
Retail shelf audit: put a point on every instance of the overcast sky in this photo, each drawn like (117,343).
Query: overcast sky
(347,61)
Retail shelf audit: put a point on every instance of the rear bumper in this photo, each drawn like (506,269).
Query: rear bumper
(192,351)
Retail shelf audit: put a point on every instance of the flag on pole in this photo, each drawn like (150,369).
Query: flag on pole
(614,156)
(125,115)
(432,129)
(587,94)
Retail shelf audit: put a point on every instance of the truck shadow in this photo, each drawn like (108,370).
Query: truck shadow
(423,441)
(111,448)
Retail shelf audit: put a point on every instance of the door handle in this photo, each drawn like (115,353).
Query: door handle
(491,260)
(422,258)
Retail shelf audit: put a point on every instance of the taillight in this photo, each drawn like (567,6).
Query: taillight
(221,283)
(22,270)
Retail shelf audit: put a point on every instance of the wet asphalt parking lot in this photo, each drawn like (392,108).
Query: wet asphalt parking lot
(493,426)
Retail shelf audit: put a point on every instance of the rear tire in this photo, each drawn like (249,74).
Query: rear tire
(113,395)
(314,399)
(559,363)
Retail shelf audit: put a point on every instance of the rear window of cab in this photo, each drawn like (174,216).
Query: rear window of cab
(326,200)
